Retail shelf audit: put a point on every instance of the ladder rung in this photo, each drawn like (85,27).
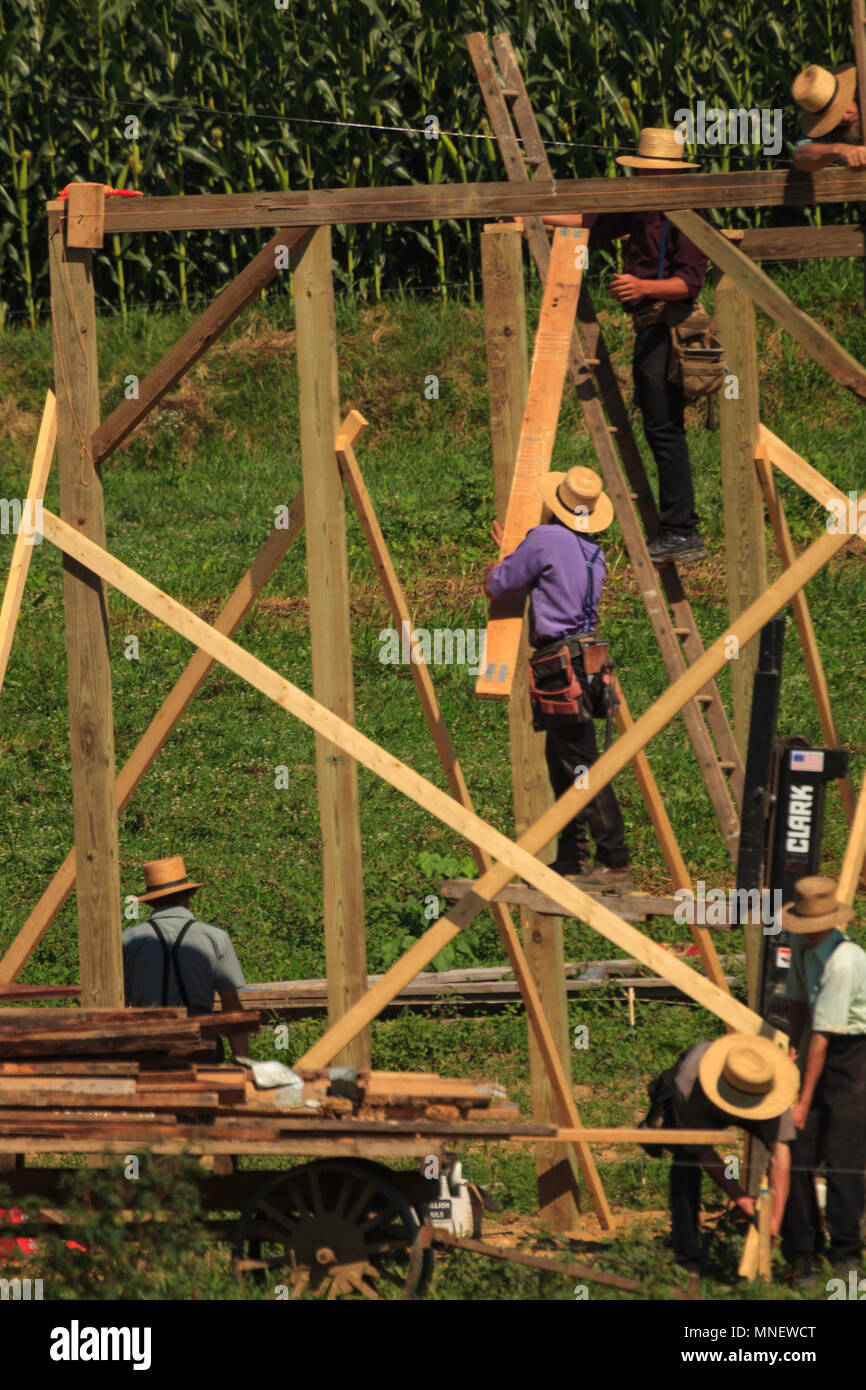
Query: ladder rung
(727,767)
(632,496)
(678,631)
(705,699)
(534,160)
(593,361)
(510,93)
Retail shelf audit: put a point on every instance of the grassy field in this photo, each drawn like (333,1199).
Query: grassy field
(188,503)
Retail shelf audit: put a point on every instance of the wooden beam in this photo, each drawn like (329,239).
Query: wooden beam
(422,202)
(23,549)
(796,468)
(85,215)
(799,243)
(739,422)
(507,380)
(516,858)
(330,634)
(852,864)
(195,342)
(821,346)
(88,657)
(163,724)
(803,619)
(534,448)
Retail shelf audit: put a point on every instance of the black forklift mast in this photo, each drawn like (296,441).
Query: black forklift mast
(780,837)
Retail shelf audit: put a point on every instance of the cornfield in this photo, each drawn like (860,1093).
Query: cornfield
(199,96)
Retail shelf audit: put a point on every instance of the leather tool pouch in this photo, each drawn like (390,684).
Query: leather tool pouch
(572,681)
(697,359)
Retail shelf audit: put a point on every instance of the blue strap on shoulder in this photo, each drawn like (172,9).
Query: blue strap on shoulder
(667,226)
(588,599)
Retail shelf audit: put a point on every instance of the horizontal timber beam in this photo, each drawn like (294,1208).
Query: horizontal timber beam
(423,202)
(799,243)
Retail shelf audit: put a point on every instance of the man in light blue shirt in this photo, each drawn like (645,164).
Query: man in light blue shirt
(826,991)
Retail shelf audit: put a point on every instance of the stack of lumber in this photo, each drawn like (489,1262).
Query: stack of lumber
(69,1032)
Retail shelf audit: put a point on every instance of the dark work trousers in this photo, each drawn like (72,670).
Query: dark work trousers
(835,1131)
(685,1200)
(567,747)
(663,409)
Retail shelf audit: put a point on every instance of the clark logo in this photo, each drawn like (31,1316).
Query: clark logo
(799,819)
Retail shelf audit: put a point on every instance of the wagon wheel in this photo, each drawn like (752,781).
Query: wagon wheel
(339,1226)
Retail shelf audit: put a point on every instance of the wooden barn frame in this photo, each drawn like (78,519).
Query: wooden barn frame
(76,228)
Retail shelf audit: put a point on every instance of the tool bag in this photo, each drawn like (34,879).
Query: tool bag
(697,358)
(573,680)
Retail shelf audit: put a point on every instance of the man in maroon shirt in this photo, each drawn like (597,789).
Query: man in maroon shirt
(661,265)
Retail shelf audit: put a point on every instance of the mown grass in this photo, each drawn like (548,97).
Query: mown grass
(188,503)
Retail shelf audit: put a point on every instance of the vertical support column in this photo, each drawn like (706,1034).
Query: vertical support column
(91,722)
(745,549)
(508,375)
(328,585)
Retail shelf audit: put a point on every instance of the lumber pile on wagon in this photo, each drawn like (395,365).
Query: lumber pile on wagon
(127,1076)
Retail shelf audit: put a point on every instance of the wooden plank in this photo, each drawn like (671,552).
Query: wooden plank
(195,342)
(632,907)
(535,448)
(22,550)
(85,216)
(536,1262)
(88,658)
(74,1098)
(739,421)
(423,202)
(517,858)
(507,379)
(160,729)
(9,993)
(852,864)
(803,619)
(800,243)
(365,1147)
(330,635)
(796,468)
(821,346)
(71,1069)
(625,1135)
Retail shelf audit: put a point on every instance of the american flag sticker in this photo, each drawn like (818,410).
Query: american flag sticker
(806,760)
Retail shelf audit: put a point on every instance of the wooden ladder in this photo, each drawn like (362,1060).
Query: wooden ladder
(525,157)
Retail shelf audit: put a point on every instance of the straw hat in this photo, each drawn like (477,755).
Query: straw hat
(577,499)
(164,876)
(657,149)
(748,1076)
(814,907)
(823,96)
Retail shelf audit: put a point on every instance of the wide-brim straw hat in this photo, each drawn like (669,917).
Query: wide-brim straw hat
(815,906)
(823,96)
(657,148)
(164,876)
(748,1076)
(576,497)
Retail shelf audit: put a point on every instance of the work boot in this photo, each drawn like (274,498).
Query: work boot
(602,878)
(803,1276)
(681,546)
(573,869)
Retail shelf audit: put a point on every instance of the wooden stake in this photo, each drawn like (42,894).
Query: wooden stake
(160,729)
(535,447)
(852,864)
(23,548)
(330,635)
(821,346)
(91,723)
(803,618)
(85,216)
(507,380)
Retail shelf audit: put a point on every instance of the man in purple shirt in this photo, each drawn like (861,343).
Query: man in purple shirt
(660,265)
(564,572)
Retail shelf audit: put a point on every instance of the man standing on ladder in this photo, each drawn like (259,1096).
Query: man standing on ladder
(661,267)
(571,681)
(829,118)
(173,960)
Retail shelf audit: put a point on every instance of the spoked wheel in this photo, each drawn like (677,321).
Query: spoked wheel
(339,1226)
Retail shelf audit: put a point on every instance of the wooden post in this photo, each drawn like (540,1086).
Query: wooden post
(328,582)
(508,375)
(739,420)
(91,723)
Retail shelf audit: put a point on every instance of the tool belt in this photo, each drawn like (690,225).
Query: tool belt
(697,358)
(572,680)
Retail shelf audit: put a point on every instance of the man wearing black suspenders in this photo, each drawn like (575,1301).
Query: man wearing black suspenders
(662,277)
(172,959)
(564,569)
